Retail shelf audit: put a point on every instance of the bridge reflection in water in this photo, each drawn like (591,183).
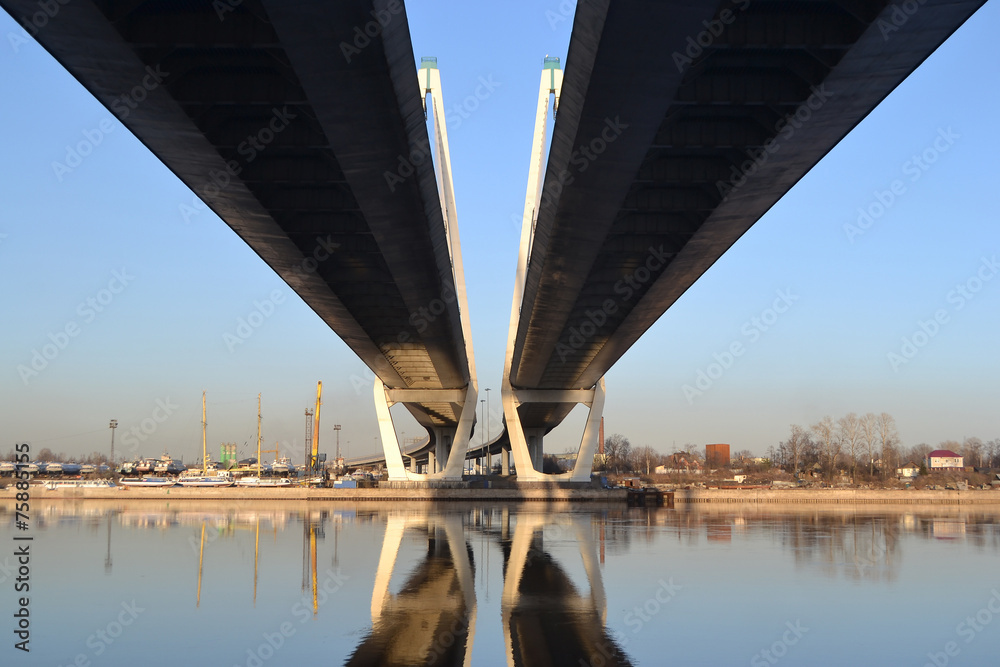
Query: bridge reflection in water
(432,619)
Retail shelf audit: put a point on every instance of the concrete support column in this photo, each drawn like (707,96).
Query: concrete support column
(535,437)
(431,463)
(413,464)
(504,462)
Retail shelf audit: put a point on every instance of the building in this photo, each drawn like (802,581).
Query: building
(716,456)
(944,459)
(680,462)
(911,469)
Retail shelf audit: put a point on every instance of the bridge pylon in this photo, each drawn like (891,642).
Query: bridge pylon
(452,441)
(526,447)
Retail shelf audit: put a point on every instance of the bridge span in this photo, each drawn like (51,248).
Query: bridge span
(679,125)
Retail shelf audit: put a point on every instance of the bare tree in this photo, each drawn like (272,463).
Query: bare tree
(794,446)
(994,452)
(646,458)
(828,442)
(869,438)
(849,432)
(888,438)
(972,450)
(618,451)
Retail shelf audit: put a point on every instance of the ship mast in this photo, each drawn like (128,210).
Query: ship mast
(204,424)
(258,436)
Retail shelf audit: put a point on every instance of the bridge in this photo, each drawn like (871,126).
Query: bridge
(661,158)
(679,125)
(318,157)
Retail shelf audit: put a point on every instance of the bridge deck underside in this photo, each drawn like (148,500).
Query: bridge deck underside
(664,154)
(255,107)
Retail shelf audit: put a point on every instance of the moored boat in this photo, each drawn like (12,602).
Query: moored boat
(254,481)
(147,481)
(79,484)
(220,478)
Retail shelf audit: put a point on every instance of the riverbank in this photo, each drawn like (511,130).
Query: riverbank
(835,497)
(531,492)
(523,493)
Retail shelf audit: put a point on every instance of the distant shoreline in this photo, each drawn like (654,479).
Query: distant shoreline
(837,496)
(540,493)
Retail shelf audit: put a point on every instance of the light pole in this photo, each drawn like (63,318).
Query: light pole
(113,425)
(489,458)
(336,428)
(482,433)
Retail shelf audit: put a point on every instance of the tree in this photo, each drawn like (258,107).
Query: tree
(793,447)
(972,450)
(888,440)
(618,451)
(869,439)
(828,442)
(645,458)
(849,432)
(994,452)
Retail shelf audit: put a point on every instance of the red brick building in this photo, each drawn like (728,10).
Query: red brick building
(716,456)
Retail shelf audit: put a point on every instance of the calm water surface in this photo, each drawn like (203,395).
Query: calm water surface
(254,584)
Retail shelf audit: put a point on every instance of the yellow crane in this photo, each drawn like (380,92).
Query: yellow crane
(314,455)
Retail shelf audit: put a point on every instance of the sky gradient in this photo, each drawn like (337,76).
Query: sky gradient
(102,249)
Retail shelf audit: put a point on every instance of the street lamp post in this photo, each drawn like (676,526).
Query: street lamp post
(489,457)
(113,425)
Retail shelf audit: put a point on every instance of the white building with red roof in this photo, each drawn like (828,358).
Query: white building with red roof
(942,459)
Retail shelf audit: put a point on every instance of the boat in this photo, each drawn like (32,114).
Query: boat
(30,468)
(144,466)
(7,468)
(88,469)
(281,465)
(219,479)
(254,481)
(168,466)
(53,468)
(147,481)
(79,484)
(71,468)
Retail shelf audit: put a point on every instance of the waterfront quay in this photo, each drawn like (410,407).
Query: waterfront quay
(529,492)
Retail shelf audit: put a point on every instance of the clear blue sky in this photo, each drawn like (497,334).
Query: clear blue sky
(161,337)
